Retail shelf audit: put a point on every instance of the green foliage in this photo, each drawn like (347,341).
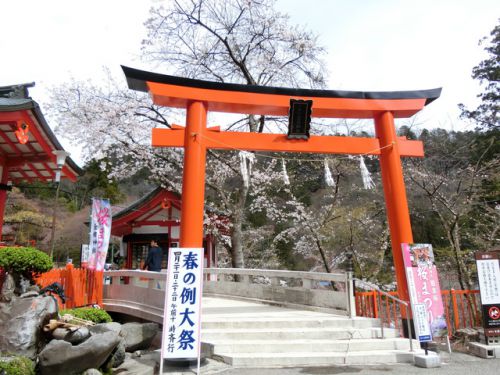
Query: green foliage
(16,365)
(89,313)
(96,182)
(488,73)
(24,260)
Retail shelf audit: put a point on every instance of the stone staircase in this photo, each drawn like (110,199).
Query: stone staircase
(249,334)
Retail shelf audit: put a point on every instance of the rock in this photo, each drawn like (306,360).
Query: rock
(468,334)
(138,366)
(29,294)
(61,358)
(117,357)
(138,336)
(34,288)
(8,289)
(105,327)
(74,337)
(21,321)
(92,371)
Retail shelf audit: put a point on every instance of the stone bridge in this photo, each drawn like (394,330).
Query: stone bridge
(141,293)
(268,317)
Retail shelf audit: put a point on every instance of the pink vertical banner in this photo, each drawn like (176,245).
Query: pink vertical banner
(100,232)
(424,289)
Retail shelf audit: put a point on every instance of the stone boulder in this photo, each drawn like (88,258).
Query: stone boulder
(105,327)
(8,289)
(72,336)
(118,355)
(21,322)
(138,336)
(61,358)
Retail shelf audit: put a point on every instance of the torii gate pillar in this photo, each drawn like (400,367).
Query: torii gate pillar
(193,176)
(395,195)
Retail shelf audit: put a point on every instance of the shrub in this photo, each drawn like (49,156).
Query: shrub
(26,261)
(89,313)
(16,365)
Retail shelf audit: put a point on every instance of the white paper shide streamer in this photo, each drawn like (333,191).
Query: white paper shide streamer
(286,180)
(365,174)
(246,161)
(328,175)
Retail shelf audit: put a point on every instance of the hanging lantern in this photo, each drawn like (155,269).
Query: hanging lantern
(166,204)
(22,132)
(299,119)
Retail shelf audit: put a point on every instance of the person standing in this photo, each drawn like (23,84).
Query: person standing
(155,255)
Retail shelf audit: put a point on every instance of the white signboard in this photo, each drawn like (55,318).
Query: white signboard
(182,311)
(85,255)
(421,321)
(488,272)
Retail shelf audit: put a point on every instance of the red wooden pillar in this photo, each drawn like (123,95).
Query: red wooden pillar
(193,179)
(3,195)
(395,196)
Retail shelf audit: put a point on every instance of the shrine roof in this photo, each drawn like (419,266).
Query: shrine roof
(177,91)
(156,195)
(32,160)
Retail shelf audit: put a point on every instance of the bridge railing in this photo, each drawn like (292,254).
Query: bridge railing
(313,289)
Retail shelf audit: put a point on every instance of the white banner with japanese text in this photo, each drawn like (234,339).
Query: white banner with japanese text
(182,311)
(100,231)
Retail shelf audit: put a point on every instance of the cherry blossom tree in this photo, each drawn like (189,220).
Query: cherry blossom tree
(238,41)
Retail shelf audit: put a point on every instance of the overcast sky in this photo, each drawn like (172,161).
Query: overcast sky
(383,45)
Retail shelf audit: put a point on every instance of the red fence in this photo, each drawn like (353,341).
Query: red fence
(82,287)
(462,308)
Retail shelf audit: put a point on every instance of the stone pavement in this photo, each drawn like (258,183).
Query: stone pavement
(456,364)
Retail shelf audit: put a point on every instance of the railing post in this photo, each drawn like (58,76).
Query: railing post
(70,287)
(244,279)
(456,317)
(375,304)
(306,283)
(351,303)
(407,306)
(381,316)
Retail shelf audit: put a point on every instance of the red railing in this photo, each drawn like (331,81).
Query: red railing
(462,308)
(81,286)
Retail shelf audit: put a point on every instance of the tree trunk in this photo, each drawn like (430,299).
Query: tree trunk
(237,259)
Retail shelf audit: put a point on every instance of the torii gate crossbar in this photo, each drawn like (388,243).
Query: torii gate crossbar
(199,97)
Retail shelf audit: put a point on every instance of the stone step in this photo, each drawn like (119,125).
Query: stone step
(297,346)
(216,335)
(261,323)
(264,359)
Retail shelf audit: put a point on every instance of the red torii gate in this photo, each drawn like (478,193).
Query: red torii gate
(198,97)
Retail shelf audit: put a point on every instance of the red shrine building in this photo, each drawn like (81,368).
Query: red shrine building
(154,216)
(28,147)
